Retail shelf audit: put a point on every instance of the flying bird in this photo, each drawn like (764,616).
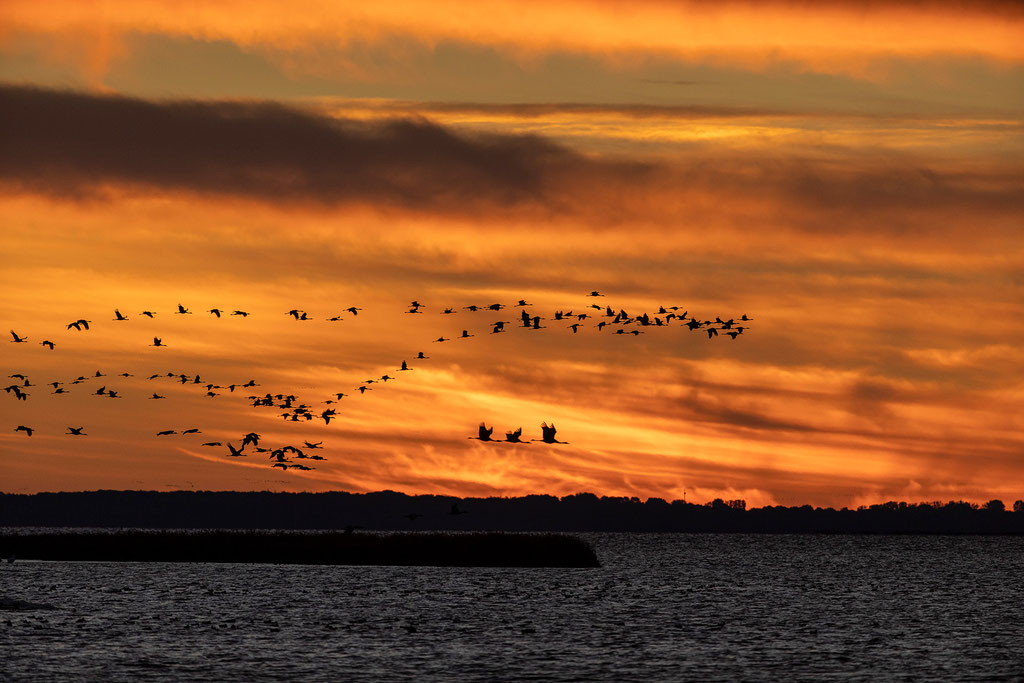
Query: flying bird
(241,313)
(23,428)
(17,339)
(182,310)
(148,314)
(119,316)
(166,432)
(548,433)
(47,343)
(483,433)
(76,431)
(157,342)
(513,437)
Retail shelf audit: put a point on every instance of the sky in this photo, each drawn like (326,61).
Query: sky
(847,175)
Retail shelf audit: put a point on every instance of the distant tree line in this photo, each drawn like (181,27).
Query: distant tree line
(388,510)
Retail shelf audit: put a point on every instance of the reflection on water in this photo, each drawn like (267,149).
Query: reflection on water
(663,607)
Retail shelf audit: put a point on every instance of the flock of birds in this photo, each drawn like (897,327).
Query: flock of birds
(285,457)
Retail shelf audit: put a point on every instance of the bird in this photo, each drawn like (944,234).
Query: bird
(17,339)
(241,313)
(313,445)
(483,433)
(23,428)
(712,332)
(212,443)
(76,431)
(448,311)
(251,438)
(548,433)
(215,311)
(353,310)
(157,342)
(364,389)
(194,430)
(119,316)
(420,356)
(574,327)
(60,390)
(595,293)
(513,437)
(47,343)
(183,311)
(166,432)
(235,452)
(405,366)
(442,339)
(466,335)
(522,302)
(79,324)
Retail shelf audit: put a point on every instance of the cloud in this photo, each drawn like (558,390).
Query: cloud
(76,145)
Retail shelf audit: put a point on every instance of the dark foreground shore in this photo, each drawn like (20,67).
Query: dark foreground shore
(289,547)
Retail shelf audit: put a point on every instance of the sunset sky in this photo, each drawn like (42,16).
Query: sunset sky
(849,175)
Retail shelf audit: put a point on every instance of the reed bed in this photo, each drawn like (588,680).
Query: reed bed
(291,547)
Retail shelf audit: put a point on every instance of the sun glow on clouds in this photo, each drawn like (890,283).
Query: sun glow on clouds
(879,256)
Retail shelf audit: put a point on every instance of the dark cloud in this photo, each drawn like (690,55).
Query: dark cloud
(65,143)
(75,145)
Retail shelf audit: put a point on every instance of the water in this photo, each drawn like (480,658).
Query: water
(663,607)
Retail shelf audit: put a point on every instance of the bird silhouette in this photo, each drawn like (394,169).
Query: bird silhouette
(215,311)
(235,452)
(148,314)
(514,437)
(166,432)
(405,366)
(17,339)
(420,356)
(119,316)
(156,395)
(548,433)
(183,311)
(241,313)
(23,428)
(483,433)
(194,430)
(353,310)
(157,342)
(76,431)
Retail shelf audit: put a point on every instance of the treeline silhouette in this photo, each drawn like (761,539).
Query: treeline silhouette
(388,510)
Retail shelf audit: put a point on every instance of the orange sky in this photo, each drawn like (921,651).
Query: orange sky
(859,197)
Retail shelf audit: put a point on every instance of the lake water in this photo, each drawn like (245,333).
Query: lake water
(662,607)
